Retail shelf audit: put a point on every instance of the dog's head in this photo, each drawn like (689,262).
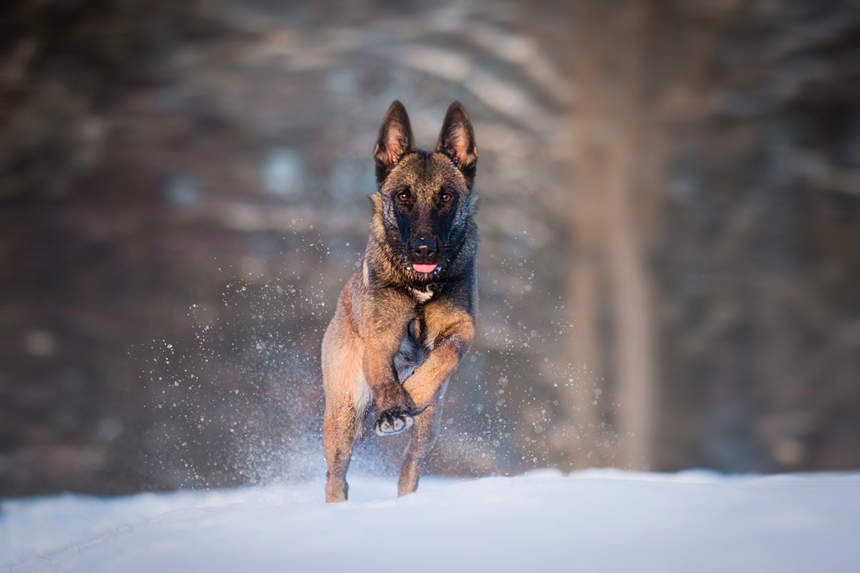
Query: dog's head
(424,198)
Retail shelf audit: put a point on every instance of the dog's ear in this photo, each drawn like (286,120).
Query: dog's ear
(457,141)
(395,140)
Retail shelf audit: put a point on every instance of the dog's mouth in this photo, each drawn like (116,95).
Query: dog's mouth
(424,268)
(424,255)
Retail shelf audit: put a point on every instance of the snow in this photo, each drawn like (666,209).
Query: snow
(594,520)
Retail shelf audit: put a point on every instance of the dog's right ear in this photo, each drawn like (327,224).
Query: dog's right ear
(395,141)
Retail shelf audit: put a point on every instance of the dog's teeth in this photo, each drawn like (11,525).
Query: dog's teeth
(398,423)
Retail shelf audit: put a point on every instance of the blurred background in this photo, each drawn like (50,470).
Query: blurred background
(670,266)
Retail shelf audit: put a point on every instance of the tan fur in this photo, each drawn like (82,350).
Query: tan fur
(456,330)
(357,355)
(398,335)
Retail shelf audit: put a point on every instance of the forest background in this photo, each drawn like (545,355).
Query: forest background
(670,266)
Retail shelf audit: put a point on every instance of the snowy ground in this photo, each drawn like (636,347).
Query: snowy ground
(596,520)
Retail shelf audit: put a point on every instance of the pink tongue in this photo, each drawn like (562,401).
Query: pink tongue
(424,268)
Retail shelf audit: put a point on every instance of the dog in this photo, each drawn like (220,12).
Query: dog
(406,318)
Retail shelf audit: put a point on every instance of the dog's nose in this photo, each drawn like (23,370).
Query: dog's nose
(424,247)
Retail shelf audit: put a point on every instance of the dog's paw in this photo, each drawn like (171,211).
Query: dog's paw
(393,421)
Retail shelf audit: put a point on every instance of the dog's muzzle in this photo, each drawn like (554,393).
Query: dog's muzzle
(424,255)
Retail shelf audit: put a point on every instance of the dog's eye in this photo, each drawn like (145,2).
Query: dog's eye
(404,196)
(446,197)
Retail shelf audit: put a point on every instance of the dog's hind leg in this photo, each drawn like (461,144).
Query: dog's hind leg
(339,431)
(424,434)
(346,397)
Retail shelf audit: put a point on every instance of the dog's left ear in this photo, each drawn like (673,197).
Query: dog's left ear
(457,141)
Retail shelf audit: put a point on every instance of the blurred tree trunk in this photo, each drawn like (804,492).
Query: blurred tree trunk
(642,72)
(607,257)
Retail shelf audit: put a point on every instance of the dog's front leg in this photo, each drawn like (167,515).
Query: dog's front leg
(423,437)
(395,407)
(452,331)
(425,383)
(426,388)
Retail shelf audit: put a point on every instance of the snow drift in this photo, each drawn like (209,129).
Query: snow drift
(595,520)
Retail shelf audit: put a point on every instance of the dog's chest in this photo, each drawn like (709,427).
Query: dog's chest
(414,346)
(422,295)
(413,349)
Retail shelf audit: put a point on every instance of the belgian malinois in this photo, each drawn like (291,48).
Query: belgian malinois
(407,317)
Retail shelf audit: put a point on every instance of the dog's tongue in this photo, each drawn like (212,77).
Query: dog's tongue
(424,268)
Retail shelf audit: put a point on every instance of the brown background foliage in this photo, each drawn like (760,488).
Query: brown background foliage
(670,272)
